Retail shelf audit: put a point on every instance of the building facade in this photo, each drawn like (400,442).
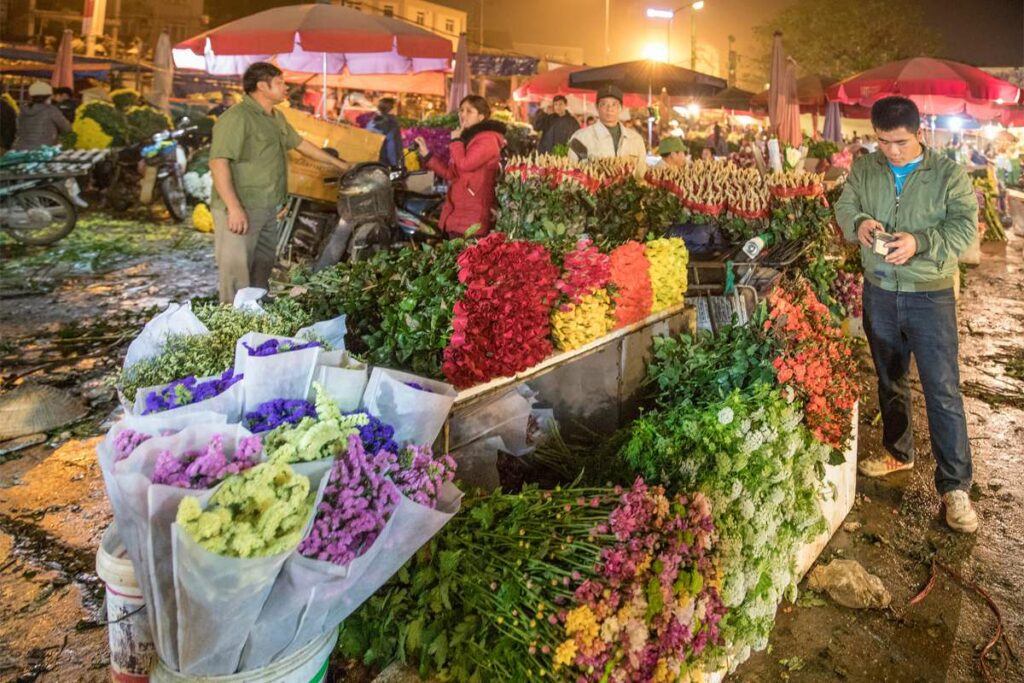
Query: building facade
(436,18)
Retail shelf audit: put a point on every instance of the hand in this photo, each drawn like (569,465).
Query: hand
(238,222)
(421,147)
(866,231)
(342,165)
(457,133)
(901,249)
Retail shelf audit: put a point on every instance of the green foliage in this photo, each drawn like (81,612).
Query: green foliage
(821,273)
(111,120)
(125,98)
(820,149)
(534,209)
(449,121)
(619,215)
(839,39)
(143,122)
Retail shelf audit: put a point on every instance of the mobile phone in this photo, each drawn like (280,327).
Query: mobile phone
(882,240)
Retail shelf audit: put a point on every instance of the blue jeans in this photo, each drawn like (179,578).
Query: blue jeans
(899,324)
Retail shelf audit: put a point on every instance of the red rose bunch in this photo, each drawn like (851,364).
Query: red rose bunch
(502,323)
(815,359)
(631,279)
(584,270)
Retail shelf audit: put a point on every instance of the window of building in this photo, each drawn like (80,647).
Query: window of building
(389,10)
(421,18)
(449,26)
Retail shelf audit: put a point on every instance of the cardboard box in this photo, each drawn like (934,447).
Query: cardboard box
(305,176)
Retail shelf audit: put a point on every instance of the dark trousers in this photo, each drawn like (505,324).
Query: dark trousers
(922,324)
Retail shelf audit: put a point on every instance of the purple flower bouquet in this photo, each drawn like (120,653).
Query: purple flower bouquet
(272,347)
(272,414)
(185,392)
(275,367)
(206,467)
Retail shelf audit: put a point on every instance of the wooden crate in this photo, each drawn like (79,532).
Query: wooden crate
(305,176)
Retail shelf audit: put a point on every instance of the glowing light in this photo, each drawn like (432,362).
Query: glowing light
(698,5)
(955,123)
(999,100)
(991,131)
(659,13)
(656,52)
(694,109)
(744,120)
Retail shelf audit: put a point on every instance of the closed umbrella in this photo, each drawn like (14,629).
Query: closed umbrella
(778,77)
(789,112)
(63,67)
(833,126)
(163,74)
(460,77)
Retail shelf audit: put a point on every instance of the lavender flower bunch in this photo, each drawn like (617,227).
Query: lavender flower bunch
(376,435)
(357,502)
(421,476)
(272,347)
(204,468)
(273,414)
(183,392)
(126,441)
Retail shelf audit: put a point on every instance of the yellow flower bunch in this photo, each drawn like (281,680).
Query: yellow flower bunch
(6,97)
(574,325)
(89,134)
(202,219)
(583,621)
(565,653)
(668,257)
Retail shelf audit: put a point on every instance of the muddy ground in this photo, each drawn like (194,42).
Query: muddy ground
(72,323)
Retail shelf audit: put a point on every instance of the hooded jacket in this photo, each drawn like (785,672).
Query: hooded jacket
(38,125)
(472,173)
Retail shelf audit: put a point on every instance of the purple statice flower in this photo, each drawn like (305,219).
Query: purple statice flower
(376,435)
(420,475)
(202,469)
(183,392)
(357,502)
(418,387)
(273,414)
(272,347)
(126,441)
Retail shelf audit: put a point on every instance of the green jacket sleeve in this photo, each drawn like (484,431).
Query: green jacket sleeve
(953,236)
(850,207)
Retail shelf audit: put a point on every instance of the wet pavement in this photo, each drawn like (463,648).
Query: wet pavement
(53,508)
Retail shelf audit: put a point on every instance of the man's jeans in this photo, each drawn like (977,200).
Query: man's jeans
(899,324)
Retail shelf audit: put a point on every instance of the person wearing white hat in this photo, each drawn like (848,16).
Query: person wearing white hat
(40,122)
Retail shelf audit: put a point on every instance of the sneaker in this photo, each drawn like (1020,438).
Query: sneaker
(960,514)
(882,465)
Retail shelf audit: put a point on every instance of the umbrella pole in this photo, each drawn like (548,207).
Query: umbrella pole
(650,123)
(323,91)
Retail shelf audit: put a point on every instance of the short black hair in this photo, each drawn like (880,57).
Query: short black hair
(64,91)
(259,72)
(479,103)
(385,105)
(560,98)
(890,113)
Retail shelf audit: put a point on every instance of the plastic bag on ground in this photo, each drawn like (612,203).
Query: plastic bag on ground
(311,596)
(477,463)
(148,511)
(506,415)
(175,319)
(416,414)
(228,403)
(219,598)
(248,299)
(332,331)
(287,375)
(343,378)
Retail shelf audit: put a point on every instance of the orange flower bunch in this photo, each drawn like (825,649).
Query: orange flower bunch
(815,359)
(631,279)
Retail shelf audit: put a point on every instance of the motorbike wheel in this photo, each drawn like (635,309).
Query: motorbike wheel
(174,197)
(39,217)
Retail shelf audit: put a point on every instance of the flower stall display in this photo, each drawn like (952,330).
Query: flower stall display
(318,436)
(278,367)
(205,467)
(575,324)
(276,413)
(583,584)
(631,284)
(668,258)
(222,394)
(416,406)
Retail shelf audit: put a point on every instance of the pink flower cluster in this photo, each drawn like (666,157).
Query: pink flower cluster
(420,475)
(207,467)
(848,289)
(584,271)
(126,441)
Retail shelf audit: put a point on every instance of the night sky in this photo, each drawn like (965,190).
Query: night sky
(980,32)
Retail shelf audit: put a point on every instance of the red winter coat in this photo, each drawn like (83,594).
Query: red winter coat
(472,173)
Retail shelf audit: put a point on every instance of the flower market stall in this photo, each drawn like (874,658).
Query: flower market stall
(662,489)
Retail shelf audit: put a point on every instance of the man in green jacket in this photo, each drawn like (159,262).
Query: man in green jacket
(249,163)
(913,212)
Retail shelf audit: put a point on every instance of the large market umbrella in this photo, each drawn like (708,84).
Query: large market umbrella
(63,67)
(778,76)
(460,77)
(730,98)
(646,76)
(938,86)
(833,126)
(811,93)
(546,85)
(789,112)
(163,74)
(316,39)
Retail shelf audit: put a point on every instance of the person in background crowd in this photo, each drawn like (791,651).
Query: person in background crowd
(717,143)
(40,122)
(590,121)
(386,123)
(221,106)
(924,205)
(472,169)
(249,163)
(860,152)
(608,137)
(555,125)
(64,99)
(8,122)
(707,154)
(673,152)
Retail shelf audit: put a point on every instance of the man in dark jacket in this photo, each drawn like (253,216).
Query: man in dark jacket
(64,99)
(555,125)
(40,122)
(385,123)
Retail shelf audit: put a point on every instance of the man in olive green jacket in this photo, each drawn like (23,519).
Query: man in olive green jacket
(249,163)
(914,213)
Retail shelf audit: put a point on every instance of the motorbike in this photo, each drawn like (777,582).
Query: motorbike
(167,152)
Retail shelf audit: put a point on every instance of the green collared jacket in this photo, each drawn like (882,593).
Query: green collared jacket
(256,143)
(937,206)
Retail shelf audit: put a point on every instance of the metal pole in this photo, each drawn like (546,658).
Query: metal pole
(323,91)
(668,38)
(693,41)
(607,16)
(481,24)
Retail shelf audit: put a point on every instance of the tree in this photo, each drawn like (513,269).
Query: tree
(839,38)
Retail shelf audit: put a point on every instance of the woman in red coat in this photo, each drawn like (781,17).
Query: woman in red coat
(472,171)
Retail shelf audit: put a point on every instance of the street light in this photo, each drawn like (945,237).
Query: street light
(654,13)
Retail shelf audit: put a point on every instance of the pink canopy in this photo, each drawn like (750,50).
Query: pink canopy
(316,39)
(938,86)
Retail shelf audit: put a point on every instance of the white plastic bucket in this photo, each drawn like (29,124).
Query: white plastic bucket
(132,654)
(308,665)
